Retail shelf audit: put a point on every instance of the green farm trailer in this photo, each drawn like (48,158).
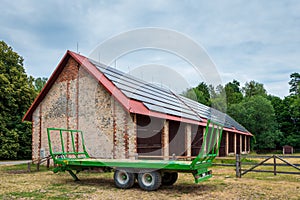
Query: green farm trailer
(150,174)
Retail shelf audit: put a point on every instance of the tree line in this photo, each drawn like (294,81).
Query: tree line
(273,121)
(17,92)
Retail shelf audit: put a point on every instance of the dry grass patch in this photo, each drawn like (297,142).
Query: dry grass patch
(47,185)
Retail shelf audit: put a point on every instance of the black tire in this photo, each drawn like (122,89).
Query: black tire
(124,179)
(169,178)
(149,180)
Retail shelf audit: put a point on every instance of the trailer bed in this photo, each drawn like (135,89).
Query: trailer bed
(150,173)
(148,164)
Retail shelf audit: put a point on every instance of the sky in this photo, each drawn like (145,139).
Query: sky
(246,40)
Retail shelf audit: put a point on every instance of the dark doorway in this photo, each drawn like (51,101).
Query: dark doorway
(222,151)
(238,144)
(149,131)
(231,142)
(197,139)
(177,138)
(243,142)
(248,143)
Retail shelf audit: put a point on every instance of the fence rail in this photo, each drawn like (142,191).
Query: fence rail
(242,171)
(38,163)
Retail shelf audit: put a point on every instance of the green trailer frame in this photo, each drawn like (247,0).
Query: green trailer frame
(150,173)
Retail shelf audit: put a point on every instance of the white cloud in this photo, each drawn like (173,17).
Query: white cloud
(248,40)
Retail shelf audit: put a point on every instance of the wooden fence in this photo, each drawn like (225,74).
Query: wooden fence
(240,166)
(38,163)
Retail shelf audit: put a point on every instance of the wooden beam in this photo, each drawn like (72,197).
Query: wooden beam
(188,139)
(241,144)
(234,143)
(165,140)
(227,144)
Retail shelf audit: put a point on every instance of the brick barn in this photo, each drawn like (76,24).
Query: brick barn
(122,116)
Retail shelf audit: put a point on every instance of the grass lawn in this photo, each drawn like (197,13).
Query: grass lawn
(17,183)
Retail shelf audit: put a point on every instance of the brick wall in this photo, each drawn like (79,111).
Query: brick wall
(77,101)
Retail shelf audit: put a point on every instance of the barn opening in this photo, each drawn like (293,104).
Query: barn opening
(231,143)
(222,150)
(197,138)
(177,138)
(238,144)
(149,135)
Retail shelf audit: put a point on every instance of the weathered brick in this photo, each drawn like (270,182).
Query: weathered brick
(77,101)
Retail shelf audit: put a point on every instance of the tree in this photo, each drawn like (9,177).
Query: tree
(199,94)
(295,84)
(257,114)
(218,98)
(39,83)
(16,95)
(205,97)
(254,88)
(233,92)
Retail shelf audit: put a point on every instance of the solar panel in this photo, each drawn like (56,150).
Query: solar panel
(164,100)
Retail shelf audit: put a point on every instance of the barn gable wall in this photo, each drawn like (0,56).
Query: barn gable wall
(77,101)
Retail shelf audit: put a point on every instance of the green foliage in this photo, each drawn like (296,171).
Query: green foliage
(254,88)
(233,93)
(39,83)
(218,98)
(295,84)
(16,95)
(258,116)
(273,121)
(199,93)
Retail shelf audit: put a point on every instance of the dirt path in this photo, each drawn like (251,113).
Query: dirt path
(14,162)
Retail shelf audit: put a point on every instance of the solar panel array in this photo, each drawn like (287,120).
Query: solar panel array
(163,100)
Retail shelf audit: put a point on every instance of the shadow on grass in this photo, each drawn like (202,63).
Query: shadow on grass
(178,188)
(23,169)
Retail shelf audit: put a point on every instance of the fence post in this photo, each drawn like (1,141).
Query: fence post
(48,163)
(28,167)
(38,165)
(238,169)
(275,172)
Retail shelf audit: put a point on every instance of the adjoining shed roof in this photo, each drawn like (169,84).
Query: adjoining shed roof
(141,97)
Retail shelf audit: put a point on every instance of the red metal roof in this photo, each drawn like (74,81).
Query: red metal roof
(131,105)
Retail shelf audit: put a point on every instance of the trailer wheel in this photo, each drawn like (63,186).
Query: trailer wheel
(124,179)
(149,180)
(169,178)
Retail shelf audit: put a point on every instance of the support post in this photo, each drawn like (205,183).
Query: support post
(28,167)
(238,169)
(165,140)
(188,140)
(73,175)
(234,143)
(48,163)
(38,165)
(275,172)
(204,142)
(227,144)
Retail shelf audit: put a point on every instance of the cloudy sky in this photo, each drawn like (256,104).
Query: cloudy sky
(247,40)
